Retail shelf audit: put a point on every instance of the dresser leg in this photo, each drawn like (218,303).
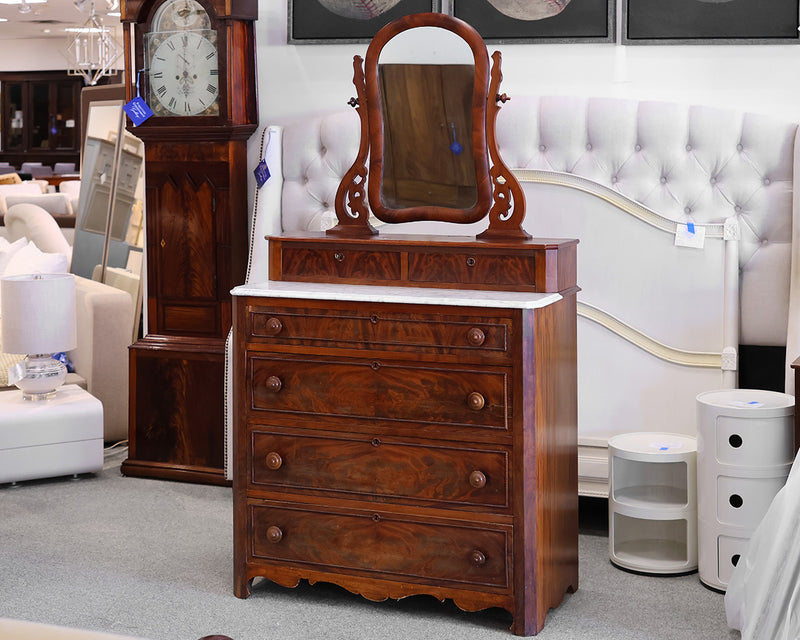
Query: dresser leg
(241,586)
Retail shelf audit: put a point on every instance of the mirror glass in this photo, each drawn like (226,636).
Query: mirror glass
(426,78)
(109,242)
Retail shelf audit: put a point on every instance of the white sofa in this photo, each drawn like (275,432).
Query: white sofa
(658,323)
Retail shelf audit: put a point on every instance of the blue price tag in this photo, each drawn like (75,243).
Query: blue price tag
(690,227)
(262,173)
(137,110)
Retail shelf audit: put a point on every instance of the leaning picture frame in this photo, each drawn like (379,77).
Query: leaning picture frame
(346,21)
(539,21)
(710,22)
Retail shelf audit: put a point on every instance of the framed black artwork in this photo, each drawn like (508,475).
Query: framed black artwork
(343,21)
(710,21)
(539,21)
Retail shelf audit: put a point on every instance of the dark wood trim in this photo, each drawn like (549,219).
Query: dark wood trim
(179,473)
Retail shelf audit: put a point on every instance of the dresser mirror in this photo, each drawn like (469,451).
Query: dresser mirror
(427,122)
(427,98)
(427,131)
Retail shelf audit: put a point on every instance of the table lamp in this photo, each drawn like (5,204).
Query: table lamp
(38,319)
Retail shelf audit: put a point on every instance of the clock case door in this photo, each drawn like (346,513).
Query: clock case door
(196,229)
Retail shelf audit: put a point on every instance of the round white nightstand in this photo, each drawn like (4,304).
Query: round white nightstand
(745,448)
(652,502)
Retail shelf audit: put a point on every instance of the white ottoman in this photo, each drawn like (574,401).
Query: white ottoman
(59,436)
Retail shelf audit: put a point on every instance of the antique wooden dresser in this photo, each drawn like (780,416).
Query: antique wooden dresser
(401,441)
(405,408)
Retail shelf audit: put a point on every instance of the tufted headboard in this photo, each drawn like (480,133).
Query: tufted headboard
(660,322)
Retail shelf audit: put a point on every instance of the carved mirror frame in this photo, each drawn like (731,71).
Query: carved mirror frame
(499,194)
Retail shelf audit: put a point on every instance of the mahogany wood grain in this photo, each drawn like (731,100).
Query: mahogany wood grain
(538,265)
(176,414)
(380,327)
(380,390)
(371,499)
(548,357)
(381,542)
(380,468)
(340,264)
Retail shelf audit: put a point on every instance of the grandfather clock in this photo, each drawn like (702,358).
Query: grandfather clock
(195,68)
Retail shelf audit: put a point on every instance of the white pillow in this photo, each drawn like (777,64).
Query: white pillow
(7,251)
(29,259)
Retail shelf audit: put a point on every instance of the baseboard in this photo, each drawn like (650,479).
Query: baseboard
(593,467)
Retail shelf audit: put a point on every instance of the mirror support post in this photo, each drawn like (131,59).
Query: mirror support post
(351,206)
(508,209)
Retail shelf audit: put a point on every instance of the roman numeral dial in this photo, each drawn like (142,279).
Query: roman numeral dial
(183,73)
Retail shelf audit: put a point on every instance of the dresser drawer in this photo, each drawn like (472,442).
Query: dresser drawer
(387,544)
(311,263)
(471,268)
(380,468)
(391,391)
(376,328)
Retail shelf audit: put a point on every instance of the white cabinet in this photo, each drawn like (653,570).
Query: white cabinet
(745,448)
(652,502)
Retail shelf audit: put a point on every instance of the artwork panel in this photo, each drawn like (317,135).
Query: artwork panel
(759,21)
(331,21)
(539,20)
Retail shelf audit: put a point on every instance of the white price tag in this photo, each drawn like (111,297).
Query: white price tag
(690,235)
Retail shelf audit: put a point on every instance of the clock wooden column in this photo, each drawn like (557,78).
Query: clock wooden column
(196,228)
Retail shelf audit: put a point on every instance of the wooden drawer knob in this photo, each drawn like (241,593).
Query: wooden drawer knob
(471,262)
(274,384)
(478,558)
(274,534)
(475,337)
(477,479)
(338,256)
(475,401)
(274,326)
(274,460)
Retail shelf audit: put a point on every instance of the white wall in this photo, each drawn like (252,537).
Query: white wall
(296,80)
(32,54)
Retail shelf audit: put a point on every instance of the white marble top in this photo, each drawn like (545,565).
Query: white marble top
(409,295)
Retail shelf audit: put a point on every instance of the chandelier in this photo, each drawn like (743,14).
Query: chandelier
(92,51)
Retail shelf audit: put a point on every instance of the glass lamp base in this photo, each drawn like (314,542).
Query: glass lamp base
(38,376)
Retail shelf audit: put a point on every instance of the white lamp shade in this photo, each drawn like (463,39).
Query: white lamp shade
(38,313)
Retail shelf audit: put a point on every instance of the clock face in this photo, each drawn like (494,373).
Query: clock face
(175,15)
(183,73)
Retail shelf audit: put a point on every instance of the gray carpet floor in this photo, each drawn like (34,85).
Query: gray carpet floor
(153,559)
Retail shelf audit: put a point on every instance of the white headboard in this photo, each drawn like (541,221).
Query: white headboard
(619,175)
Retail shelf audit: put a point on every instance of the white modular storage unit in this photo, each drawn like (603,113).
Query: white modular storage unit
(652,502)
(745,448)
